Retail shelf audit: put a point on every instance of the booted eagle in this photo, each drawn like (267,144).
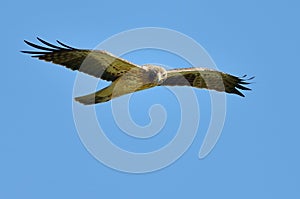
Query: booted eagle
(127,77)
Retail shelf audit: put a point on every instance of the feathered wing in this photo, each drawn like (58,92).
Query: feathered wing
(97,63)
(207,79)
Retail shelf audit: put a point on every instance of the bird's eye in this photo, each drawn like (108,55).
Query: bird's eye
(152,76)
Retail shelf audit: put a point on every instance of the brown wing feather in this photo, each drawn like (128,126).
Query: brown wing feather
(97,63)
(206,78)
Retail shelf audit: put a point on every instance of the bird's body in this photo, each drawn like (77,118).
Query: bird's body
(127,77)
(131,81)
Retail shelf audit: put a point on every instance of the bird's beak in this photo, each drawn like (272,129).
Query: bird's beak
(160,79)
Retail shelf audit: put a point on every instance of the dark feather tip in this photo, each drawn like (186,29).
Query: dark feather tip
(64,45)
(235,91)
(50,45)
(37,46)
(33,52)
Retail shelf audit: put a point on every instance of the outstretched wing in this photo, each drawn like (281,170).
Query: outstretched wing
(206,78)
(97,63)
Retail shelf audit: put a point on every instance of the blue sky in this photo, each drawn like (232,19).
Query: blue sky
(257,155)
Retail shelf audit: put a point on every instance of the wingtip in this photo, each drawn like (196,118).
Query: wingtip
(41,40)
(243,78)
(25,51)
(65,45)
(251,78)
(238,93)
(27,42)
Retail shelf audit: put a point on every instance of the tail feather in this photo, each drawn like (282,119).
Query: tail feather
(92,99)
(100,96)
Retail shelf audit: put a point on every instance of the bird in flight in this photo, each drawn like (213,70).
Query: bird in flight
(127,77)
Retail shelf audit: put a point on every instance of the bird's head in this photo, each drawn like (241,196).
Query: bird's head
(155,74)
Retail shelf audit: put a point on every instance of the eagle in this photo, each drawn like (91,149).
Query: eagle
(127,77)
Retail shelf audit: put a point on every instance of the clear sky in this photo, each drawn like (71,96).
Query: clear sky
(257,155)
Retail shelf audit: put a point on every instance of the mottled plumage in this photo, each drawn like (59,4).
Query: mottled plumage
(127,77)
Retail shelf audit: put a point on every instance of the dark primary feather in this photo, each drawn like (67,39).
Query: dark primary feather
(97,63)
(208,79)
(69,47)
(51,45)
